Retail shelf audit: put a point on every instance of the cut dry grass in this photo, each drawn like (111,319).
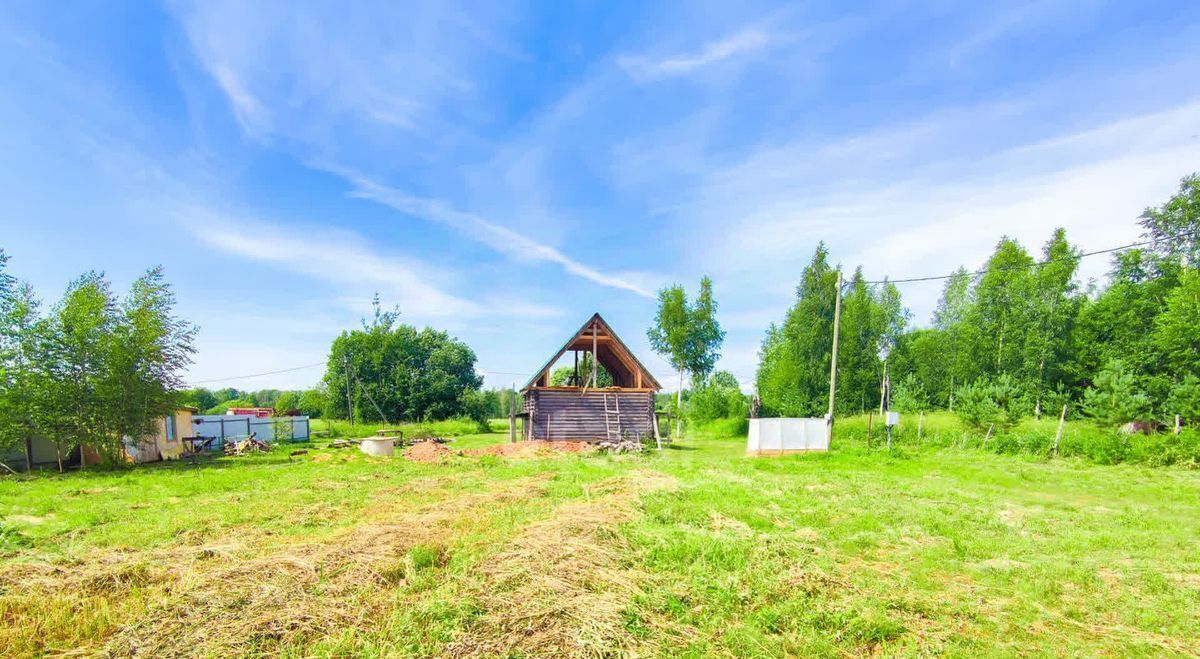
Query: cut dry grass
(218,600)
(695,551)
(563,584)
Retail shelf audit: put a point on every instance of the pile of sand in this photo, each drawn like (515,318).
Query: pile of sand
(427,452)
(533,449)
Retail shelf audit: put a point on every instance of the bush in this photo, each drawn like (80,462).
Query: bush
(1115,399)
(909,395)
(719,398)
(998,403)
(1185,400)
(476,405)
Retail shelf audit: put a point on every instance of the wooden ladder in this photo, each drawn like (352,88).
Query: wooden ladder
(611,415)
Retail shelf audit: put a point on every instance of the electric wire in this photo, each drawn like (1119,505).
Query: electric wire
(909,280)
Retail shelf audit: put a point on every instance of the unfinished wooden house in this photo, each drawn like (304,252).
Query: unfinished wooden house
(578,409)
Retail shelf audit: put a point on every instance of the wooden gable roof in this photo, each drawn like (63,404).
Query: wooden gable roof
(611,353)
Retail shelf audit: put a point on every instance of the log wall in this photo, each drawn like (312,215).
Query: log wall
(569,414)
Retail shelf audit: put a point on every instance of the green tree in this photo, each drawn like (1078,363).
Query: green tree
(21,381)
(314,402)
(147,349)
(565,376)
(794,359)
(908,395)
(1120,323)
(705,335)
(1001,312)
(926,355)
(718,397)
(1115,398)
(398,370)
(687,334)
(286,402)
(1053,306)
(80,337)
(997,403)
(956,335)
(199,398)
(1177,328)
(1175,225)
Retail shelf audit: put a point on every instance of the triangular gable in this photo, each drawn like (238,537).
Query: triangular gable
(611,353)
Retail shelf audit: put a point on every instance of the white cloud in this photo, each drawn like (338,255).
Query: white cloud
(322,75)
(253,117)
(338,257)
(499,238)
(740,43)
(899,218)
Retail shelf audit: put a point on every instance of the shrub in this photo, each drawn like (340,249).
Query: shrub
(909,395)
(475,406)
(998,403)
(1115,399)
(719,398)
(1185,399)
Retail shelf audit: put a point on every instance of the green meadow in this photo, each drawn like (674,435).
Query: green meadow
(938,546)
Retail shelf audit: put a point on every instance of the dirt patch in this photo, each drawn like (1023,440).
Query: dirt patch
(428,452)
(1000,564)
(561,587)
(1011,517)
(720,524)
(532,449)
(32,520)
(1186,579)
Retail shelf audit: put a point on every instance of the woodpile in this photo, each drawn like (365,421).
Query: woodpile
(248,445)
(622,446)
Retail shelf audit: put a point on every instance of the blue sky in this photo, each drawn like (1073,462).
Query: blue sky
(501,171)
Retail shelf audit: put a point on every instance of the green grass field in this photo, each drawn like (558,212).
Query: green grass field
(690,552)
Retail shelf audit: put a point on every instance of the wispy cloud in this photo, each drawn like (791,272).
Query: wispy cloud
(929,219)
(740,43)
(340,258)
(251,114)
(497,237)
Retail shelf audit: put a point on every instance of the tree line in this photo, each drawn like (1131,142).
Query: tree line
(1021,336)
(91,369)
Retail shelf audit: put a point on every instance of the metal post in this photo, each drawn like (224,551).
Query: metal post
(837,321)
(1058,435)
(512,416)
(349,404)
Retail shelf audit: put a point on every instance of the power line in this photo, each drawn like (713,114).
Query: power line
(300,368)
(255,375)
(1073,257)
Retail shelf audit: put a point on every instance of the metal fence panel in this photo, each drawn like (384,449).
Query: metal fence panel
(239,426)
(768,436)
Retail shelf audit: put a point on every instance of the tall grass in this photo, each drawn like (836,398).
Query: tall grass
(445,428)
(1030,437)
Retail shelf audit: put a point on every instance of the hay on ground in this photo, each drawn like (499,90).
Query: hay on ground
(562,586)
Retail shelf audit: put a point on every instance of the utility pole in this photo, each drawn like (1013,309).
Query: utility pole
(349,403)
(837,322)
